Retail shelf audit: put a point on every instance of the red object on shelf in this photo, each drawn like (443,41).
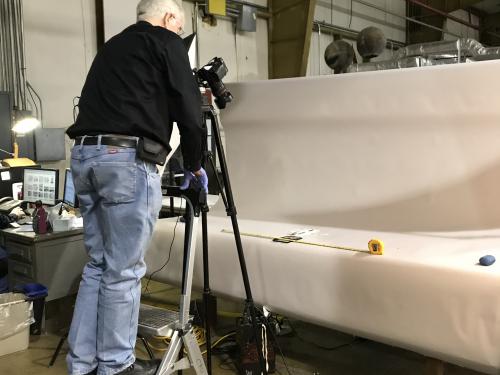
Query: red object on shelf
(40,219)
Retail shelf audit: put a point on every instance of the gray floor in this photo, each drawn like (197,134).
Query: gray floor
(308,349)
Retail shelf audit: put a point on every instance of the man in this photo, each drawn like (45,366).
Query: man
(139,83)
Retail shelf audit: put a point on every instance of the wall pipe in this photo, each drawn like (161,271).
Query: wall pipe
(319,49)
(12,52)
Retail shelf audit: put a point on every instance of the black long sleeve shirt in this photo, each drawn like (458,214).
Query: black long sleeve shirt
(140,83)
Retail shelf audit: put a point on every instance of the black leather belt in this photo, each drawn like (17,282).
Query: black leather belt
(107,140)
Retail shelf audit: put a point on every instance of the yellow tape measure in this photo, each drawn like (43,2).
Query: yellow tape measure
(375,246)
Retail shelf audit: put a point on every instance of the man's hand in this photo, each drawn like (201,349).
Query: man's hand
(198,179)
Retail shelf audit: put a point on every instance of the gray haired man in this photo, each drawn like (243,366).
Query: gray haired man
(140,83)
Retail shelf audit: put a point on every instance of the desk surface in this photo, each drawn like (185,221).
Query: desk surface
(32,237)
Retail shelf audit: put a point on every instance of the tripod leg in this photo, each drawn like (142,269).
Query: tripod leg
(172,182)
(188,263)
(179,357)
(146,346)
(169,360)
(231,211)
(58,349)
(183,333)
(206,292)
(194,353)
(219,184)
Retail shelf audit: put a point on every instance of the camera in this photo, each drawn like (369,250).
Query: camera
(211,75)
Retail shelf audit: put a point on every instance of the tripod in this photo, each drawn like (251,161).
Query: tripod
(184,333)
(209,113)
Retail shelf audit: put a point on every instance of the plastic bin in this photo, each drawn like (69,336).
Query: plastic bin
(16,316)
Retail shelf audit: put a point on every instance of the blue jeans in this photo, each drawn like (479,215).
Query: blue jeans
(120,198)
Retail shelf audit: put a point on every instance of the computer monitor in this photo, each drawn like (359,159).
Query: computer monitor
(69,197)
(9,177)
(41,185)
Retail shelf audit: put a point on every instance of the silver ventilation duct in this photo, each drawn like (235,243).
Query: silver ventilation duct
(458,49)
(407,62)
(435,53)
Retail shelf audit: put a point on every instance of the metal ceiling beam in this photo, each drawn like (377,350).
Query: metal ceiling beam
(448,8)
(435,12)
(290,30)
(408,19)
(461,4)
(432,12)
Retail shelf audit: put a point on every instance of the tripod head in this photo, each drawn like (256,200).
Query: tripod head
(209,79)
(210,76)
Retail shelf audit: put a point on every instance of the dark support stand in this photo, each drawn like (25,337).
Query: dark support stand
(207,293)
(58,349)
(225,190)
(199,206)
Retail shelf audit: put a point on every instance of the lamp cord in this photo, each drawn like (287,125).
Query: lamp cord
(7,152)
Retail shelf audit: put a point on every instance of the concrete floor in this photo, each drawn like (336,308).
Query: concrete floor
(308,349)
(359,358)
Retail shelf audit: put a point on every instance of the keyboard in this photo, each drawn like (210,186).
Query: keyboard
(7,207)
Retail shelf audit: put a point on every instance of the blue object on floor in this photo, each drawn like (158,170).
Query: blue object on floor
(487,260)
(34,290)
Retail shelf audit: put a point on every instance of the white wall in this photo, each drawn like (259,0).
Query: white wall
(245,54)
(338,13)
(389,147)
(60,45)
(60,40)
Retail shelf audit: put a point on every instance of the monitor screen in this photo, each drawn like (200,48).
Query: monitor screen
(9,177)
(41,184)
(70,197)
